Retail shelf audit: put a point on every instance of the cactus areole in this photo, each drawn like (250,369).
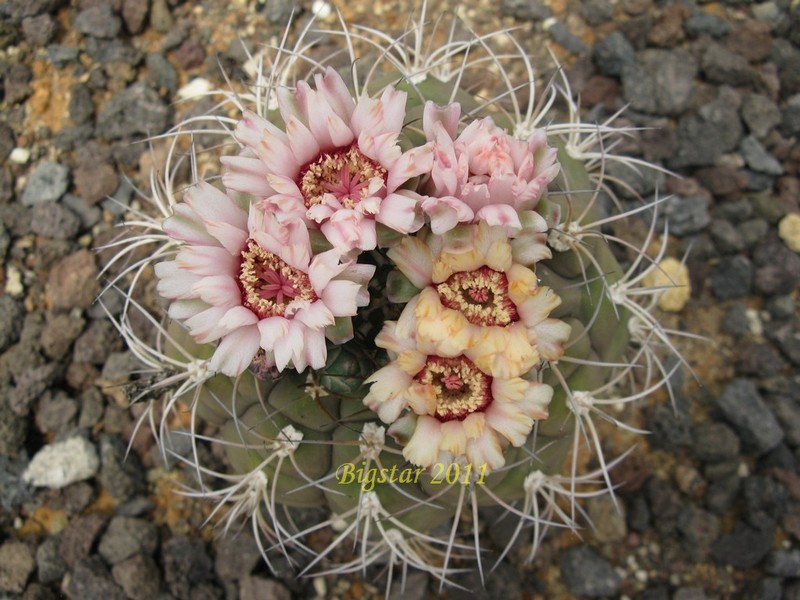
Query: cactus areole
(400,305)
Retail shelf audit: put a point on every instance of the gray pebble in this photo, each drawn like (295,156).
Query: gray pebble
(50,567)
(562,36)
(742,406)
(39,30)
(98,21)
(186,564)
(47,183)
(61,55)
(726,236)
(760,114)
(765,501)
(135,111)
(11,313)
(757,158)
(731,277)
(91,581)
(714,442)
(699,530)
(587,573)
(526,10)
(685,214)
(783,563)
(125,537)
(122,476)
(139,577)
(707,135)
(16,565)
(744,548)
(596,12)
(88,215)
(702,23)
(722,66)
(661,81)
(52,220)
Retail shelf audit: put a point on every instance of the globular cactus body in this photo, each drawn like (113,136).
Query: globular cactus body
(510,356)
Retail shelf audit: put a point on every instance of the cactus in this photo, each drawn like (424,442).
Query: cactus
(307,389)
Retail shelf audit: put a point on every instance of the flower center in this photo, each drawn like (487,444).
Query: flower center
(461,388)
(268,284)
(481,296)
(345,173)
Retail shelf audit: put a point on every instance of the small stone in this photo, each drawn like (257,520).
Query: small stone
(661,81)
(190,54)
(99,339)
(95,182)
(674,275)
(760,360)
(783,563)
(91,403)
(162,74)
(726,236)
(47,183)
(715,129)
(81,105)
(526,10)
(587,573)
(765,502)
(608,518)
(135,111)
(702,23)
(685,214)
(50,567)
(19,156)
(39,30)
(59,464)
(236,556)
(790,116)
(16,565)
(760,114)
(61,55)
(753,231)
(122,476)
(715,442)
(98,21)
(742,406)
(160,17)
(596,12)
(731,277)
(758,159)
(11,314)
(52,220)
(186,564)
(55,412)
(73,281)
(280,11)
(134,14)
(78,538)
(612,53)
(700,529)
(562,36)
(781,307)
(258,588)
(667,30)
(787,337)
(88,215)
(722,66)
(139,577)
(789,231)
(91,581)
(742,549)
(13,431)
(126,537)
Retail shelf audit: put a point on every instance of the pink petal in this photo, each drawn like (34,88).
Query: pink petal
(414,259)
(250,129)
(218,290)
(213,206)
(399,212)
(237,317)
(447,115)
(174,282)
(423,447)
(503,215)
(185,225)
(272,330)
(207,260)
(316,316)
(304,145)
(235,351)
(323,268)
(342,297)
(415,162)
(316,352)
(334,90)
(247,175)
(230,236)
(204,326)
(180,310)
(446,213)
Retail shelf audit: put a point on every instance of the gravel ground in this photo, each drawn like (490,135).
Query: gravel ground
(710,502)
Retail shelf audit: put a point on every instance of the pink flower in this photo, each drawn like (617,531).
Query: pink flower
(251,282)
(445,407)
(337,165)
(477,300)
(483,174)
